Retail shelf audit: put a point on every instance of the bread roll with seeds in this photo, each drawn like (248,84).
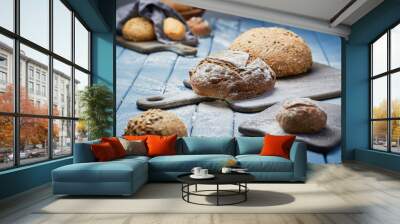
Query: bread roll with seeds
(283,50)
(156,122)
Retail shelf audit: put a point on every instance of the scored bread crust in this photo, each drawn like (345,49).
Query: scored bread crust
(231,75)
(286,52)
(301,116)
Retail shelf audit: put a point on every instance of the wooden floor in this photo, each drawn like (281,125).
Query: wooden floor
(378,189)
(141,75)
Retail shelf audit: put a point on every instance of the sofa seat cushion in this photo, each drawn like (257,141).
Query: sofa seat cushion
(185,163)
(113,171)
(257,163)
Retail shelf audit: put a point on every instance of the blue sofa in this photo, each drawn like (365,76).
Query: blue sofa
(125,176)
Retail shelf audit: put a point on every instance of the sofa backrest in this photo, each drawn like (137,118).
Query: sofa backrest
(249,145)
(83,152)
(206,145)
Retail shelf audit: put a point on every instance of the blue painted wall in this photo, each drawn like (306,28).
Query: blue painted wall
(99,15)
(356,85)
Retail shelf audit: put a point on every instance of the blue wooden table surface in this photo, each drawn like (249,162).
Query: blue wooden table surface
(140,75)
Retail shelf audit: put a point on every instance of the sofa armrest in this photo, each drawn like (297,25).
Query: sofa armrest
(83,152)
(298,155)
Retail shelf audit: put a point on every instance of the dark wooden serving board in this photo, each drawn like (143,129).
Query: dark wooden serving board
(321,82)
(169,101)
(265,123)
(155,46)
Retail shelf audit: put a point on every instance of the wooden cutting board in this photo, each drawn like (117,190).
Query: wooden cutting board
(155,46)
(321,82)
(265,123)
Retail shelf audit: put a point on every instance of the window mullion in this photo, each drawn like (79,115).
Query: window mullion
(16,70)
(389,101)
(73,81)
(50,81)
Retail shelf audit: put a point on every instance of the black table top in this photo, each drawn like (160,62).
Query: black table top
(220,178)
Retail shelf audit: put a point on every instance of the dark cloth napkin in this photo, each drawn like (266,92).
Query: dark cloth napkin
(155,11)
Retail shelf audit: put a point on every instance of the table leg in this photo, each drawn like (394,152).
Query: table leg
(217,194)
(195,188)
(245,193)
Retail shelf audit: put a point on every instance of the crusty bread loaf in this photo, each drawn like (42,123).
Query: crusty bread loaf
(301,116)
(177,6)
(138,29)
(174,29)
(283,50)
(231,75)
(156,122)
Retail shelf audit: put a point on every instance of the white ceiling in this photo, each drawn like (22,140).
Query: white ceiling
(320,9)
(328,16)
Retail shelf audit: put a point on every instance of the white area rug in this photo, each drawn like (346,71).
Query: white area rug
(166,198)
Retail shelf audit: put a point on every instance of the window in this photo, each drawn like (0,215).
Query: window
(44,91)
(34,128)
(7,73)
(3,78)
(30,72)
(385,94)
(38,89)
(7,14)
(30,87)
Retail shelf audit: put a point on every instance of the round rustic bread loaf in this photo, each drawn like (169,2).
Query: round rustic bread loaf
(283,50)
(301,116)
(231,75)
(174,29)
(138,29)
(156,122)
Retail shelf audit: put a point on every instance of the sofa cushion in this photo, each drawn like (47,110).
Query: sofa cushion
(161,145)
(185,163)
(116,145)
(103,152)
(207,145)
(277,145)
(249,145)
(257,163)
(112,171)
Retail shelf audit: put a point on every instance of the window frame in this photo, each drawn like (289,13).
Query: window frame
(388,74)
(15,68)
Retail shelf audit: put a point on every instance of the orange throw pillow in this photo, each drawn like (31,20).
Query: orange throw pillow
(103,152)
(116,145)
(161,145)
(135,137)
(277,145)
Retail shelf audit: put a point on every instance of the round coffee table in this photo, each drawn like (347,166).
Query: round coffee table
(238,179)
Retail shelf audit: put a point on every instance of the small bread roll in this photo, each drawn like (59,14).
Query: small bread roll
(138,29)
(174,29)
(199,26)
(301,116)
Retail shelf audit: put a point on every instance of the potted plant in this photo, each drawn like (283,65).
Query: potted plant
(96,102)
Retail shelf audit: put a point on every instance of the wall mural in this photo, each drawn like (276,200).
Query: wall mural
(187,71)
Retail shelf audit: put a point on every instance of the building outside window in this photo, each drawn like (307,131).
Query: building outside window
(385,92)
(55,128)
